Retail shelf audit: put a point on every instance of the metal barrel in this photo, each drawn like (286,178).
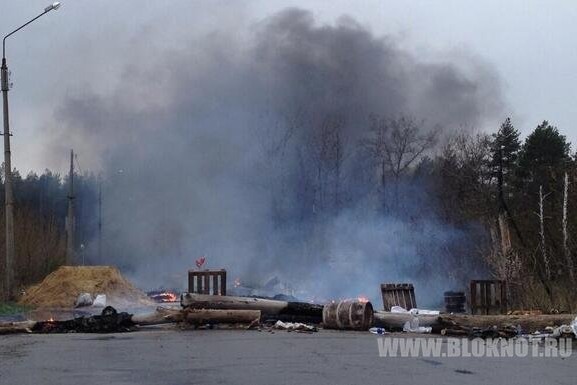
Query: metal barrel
(455,301)
(348,315)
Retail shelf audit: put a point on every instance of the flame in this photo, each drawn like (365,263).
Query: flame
(169,297)
(164,296)
(362,299)
(51,319)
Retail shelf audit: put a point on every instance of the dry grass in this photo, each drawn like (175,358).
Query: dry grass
(532,295)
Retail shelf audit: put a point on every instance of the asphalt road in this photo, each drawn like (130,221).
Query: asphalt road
(249,357)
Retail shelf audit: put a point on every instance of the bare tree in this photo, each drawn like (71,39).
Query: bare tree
(543,245)
(566,250)
(397,144)
(406,141)
(328,153)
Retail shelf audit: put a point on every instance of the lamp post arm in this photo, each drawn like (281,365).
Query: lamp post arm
(18,29)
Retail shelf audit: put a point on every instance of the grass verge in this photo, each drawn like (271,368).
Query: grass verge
(12,308)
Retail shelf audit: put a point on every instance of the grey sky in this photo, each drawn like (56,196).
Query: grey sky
(87,45)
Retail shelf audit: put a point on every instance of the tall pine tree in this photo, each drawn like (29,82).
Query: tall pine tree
(504,153)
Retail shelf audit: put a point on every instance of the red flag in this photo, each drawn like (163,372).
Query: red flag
(200,262)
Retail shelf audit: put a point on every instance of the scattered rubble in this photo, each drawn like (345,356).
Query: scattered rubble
(109,321)
(101,285)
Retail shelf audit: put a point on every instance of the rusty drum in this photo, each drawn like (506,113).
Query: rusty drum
(348,315)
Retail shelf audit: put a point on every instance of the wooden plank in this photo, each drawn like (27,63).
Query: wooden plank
(504,297)
(215,286)
(473,297)
(207,283)
(190,281)
(223,283)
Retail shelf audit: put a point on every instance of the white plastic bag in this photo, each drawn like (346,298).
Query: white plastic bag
(84,299)
(424,312)
(99,301)
(412,326)
(414,311)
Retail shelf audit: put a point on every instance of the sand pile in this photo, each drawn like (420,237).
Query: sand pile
(61,288)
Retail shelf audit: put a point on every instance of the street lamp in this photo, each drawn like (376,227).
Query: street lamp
(9,195)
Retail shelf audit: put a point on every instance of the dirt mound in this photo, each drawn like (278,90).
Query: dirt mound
(61,288)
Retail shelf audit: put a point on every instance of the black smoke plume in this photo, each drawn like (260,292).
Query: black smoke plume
(246,148)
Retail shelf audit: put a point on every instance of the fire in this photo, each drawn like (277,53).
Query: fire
(51,319)
(163,296)
(169,297)
(362,299)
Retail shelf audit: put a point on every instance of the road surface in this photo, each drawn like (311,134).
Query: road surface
(172,357)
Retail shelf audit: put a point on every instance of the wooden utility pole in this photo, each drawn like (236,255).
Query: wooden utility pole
(70,219)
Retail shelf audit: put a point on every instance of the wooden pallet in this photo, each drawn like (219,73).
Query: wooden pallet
(488,297)
(207,282)
(398,294)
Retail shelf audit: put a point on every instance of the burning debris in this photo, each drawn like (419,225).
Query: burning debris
(70,286)
(109,321)
(163,296)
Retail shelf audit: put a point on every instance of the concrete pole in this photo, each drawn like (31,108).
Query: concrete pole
(70,220)
(8,193)
(99,219)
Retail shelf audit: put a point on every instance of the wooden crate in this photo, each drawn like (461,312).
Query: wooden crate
(488,297)
(207,282)
(398,294)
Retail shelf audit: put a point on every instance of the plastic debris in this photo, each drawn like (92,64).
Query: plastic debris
(378,330)
(99,301)
(84,299)
(414,311)
(412,326)
(294,326)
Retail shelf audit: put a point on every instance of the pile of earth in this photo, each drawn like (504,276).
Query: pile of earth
(61,288)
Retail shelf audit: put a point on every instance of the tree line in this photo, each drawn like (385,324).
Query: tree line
(41,203)
(514,198)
